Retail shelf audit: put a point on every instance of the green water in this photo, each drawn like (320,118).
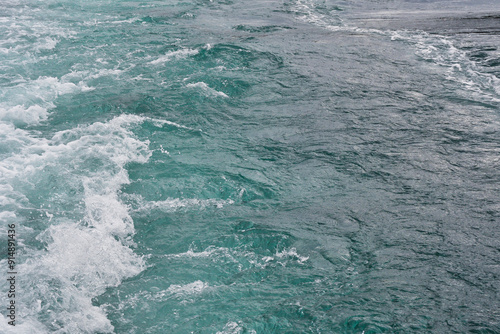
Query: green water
(251,166)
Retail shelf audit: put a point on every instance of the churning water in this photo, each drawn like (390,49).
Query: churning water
(224,166)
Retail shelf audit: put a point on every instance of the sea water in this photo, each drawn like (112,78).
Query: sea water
(223,166)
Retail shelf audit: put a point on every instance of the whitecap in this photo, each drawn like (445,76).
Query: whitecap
(187,289)
(89,250)
(174,204)
(19,114)
(206,90)
(178,54)
(233,327)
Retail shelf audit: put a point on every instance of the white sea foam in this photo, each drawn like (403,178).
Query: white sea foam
(79,264)
(86,75)
(233,327)
(88,251)
(178,54)
(6,215)
(440,50)
(131,20)
(185,292)
(206,253)
(29,35)
(160,122)
(242,259)
(28,326)
(187,289)
(286,255)
(306,11)
(443,52)
(13,139)
(206,90)
(29,102)
(291,253)
(174,204)
(47,43)
(21,115)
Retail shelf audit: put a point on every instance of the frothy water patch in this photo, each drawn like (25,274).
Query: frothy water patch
(79,264)
(29,102)
(174,204)
(287,254)
(87,75)
(440,50)
(187,289)
(21,115)
(86,251)
(243,258)
(206,90)
(25,33)
(310,12)
(178,54)
(233,327)
(206,253)
(160,123)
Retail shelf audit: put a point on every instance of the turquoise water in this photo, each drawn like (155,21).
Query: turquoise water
(298,166)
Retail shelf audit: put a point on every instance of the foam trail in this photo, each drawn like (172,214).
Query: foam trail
(233,327)
(174,204)
(206,90)
(191,288)
(21,115)
(438,49)
(442,51)
(178,54)
(88,250)
(28,103)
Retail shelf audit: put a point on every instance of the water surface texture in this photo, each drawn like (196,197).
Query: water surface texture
(224,166)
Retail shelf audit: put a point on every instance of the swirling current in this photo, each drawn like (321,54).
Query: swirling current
(223,166)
